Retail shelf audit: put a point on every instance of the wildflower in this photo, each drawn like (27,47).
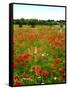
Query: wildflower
(18,60)
(38,70)
(55,78)
(14,66)
(45,73)
(21,57)
(25,75)
(58,60)
(42,54)
(15,77)
(63,76)
(62,70)
(18,83)
(35,51)
(42,83)
(27,56)
(61,46)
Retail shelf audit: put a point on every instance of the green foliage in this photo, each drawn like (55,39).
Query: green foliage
(41,53)
(34,22)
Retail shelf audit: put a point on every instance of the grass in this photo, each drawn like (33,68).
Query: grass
(39,55)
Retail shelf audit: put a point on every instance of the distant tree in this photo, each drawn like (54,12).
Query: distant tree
(20,23)
(22,20)
(16,21)
(32,22)
(61,25)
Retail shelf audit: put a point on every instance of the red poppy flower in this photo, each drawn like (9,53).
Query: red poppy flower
(15,78)
(21,57)
(56,39)
(25,75)
(63,76)
(45,73)
(58,60)
(14,66)
(38,70)
(18,83)
(27,56)
(62,46)
(18,60)
(62,70)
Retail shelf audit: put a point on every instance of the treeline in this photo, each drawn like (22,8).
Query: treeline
(34,22)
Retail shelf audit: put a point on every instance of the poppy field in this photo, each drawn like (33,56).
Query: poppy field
(38,55)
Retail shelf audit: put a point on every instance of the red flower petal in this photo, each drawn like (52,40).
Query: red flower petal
(38,70)
(18,83)
(58,60)
(18,60)
(14,66)
(62,70)
(15,78)
(45,73)
(21,57)
(25,75)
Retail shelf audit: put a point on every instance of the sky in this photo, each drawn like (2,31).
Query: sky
(38,12)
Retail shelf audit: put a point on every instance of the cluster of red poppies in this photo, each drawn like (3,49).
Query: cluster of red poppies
(38,61)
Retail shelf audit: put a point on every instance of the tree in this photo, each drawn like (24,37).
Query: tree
(20,23)
(16,21)
(32,23)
